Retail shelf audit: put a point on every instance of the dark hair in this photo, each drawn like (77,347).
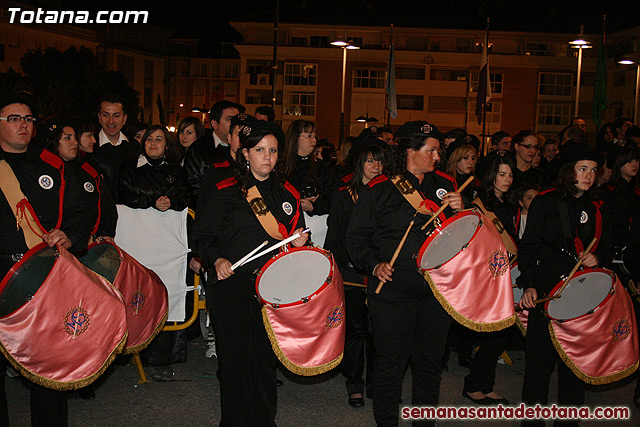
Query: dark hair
(550,141)
(632,132)
(171,150)
(621,157)
(618,123)
(486,191)
(82,126)
(398,161)
(112,98)
(52,140)
(378,152)
(188,121)
(526,186)
(266,110)
(295,129)
(573,133)
(455,133)
(382,129)
(216,110)
(566,181)
(241,167)
(519,137)
(498,136)
(601,144)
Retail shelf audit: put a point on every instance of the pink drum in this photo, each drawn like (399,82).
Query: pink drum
(303,312)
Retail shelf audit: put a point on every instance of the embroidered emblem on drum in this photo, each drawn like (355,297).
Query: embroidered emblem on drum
(498,263)
(584,217)
(620,330)
(440,192)
(335,316)
(287,208)
(45,182)
(88,187)
(76,321)
(137,301)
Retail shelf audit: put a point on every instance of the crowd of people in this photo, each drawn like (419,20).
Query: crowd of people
(550,197)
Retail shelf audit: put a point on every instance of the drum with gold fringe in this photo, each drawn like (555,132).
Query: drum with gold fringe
(593,327)
(61,325)
(467,267)
(303,311)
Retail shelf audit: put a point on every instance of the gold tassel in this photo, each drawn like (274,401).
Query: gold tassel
(607,379)
(138,348)
(296,369)
(70,385)
(521,326)
(476,326)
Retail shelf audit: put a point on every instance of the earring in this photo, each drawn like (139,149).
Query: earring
(247,164)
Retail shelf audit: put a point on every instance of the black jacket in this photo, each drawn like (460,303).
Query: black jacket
(200,156)
(545,254)
(140,187)
(109,159)
(314,177)
(621,202)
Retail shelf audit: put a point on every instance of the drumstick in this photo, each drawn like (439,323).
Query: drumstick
(247,256)
(397,252)
(276,246)
(446,204)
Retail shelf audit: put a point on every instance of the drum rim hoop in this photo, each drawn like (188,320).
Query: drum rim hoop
(594,309)
(281,254)
(442,226)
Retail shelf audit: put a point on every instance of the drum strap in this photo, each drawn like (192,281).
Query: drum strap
(506,238)
(266,218)
(10,186)
(412,195)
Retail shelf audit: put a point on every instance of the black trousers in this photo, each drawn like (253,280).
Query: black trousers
(541,358)
(358,346)
(483,369)
(48,407)
(413,330)
(247,363)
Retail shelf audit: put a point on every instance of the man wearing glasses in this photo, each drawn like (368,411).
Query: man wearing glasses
(525,144)
(37,176)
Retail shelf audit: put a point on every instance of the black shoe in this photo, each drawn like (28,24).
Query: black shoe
(502,401)
(485,401)
(279,383)
(466,363)
(356,402)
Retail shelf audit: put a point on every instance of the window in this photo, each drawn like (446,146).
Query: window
(198,88)
(463,44)
(231,71)
(355,40)
(554,114)
(300,74)
(494,108)
(299,103)
(203,70)
(261,97)
(319,41)
(259,72)
(449,75)
(447,104)
(537,49)
(125,66)
(495,79)
(410,73)
(148,73)
(555,84)
(410,102)
(298,41)
(372,79)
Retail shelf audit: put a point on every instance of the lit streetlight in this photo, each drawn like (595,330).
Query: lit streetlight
(349,44)
(629,61)
(579,44)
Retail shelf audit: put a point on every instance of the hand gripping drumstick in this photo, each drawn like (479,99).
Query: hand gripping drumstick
(397,252)
(244,258)
(445,204)
(566,281)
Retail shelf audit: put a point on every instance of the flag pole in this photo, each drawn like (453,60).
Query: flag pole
(387,97)
(484,109)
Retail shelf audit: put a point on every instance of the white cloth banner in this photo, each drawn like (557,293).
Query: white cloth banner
(318,226)
(158,240)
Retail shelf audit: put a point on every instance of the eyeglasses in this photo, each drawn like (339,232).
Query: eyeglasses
(15,118)
(530,146)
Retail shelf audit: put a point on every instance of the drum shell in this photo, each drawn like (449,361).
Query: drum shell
(474,289)
(308,337)
(70,330)
(143,292)
(600,346)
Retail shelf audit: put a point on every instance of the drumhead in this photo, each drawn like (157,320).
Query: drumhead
(103,259)
(25,278)
(449,240)
(584,292)
(292,276)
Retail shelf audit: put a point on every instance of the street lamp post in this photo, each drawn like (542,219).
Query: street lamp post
(579,44)
(627,61)
(344,45)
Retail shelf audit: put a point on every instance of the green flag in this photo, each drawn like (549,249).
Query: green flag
(600,89)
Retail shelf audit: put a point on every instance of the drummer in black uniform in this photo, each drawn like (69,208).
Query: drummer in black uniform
(226,228)
(560,224)
(41,178)
(409,324)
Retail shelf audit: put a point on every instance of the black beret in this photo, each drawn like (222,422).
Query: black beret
(19,98)
(418,128)
(249,126)
(575,152)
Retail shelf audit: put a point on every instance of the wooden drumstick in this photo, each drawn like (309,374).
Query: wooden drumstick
(397,252)
(566,281)
(446,204)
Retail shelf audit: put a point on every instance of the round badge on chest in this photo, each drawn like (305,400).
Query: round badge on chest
(440,192)
(45,182)
(287,208)
(88,187)
(170,179)
(584,217)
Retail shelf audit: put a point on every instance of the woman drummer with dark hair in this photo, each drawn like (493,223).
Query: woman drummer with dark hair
(560,224)
(409,324)
(227,228)
(370,157)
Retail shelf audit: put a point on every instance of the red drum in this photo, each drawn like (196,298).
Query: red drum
(144,293)
(467,267)
(593,327)
(303,312)
(522,316)
(61,324)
